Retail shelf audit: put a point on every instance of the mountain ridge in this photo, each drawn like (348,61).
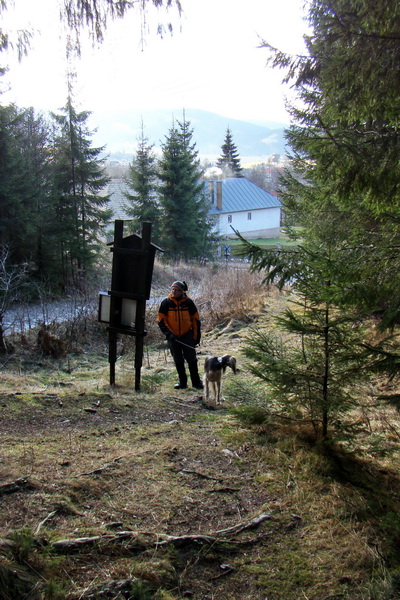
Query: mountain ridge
(119,132)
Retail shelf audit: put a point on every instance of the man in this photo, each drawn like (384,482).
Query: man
(179,321)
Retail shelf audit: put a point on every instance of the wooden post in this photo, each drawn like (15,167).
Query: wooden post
(115,303)
(141,305)
(112,354)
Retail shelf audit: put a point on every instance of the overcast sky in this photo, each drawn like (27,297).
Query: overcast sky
(211,62)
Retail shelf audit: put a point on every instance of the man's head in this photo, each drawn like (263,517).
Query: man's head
(177,288)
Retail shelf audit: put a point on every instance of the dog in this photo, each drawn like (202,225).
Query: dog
(214,368)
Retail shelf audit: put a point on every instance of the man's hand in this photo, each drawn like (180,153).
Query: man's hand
(171,336)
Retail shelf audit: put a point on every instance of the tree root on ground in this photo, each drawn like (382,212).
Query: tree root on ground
(143,540)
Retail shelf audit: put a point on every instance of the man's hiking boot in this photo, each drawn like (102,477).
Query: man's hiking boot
(180,386)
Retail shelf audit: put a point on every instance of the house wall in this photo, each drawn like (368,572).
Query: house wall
(264,222)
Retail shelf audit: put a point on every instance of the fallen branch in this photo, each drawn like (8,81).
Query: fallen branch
(224,490)
(245,525)
(134,540)
(99,470)
(202,475)
(49,516)
(73,545)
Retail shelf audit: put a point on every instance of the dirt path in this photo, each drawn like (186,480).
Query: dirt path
(101,461)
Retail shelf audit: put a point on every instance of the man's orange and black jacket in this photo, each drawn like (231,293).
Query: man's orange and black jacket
(179,316)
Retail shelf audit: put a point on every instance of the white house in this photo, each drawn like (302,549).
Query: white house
(238,204)
(235,202)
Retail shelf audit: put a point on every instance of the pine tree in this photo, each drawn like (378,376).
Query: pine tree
(229,161)
(79,206)
(185,225)
(143,179)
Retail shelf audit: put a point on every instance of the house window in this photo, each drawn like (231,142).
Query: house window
(249,216)
(229,218)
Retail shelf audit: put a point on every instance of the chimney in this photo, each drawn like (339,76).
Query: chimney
(219,195)
(211,191)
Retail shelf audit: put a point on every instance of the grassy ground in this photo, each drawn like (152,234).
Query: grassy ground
(272,243)
(110,493)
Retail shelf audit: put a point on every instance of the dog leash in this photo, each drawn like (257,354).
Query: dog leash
(187,345)
(183,344)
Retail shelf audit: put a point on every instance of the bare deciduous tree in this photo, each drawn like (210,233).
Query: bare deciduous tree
(13,279)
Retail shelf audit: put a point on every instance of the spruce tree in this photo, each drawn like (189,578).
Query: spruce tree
(185,224)
(91,15)
(143,204)
(80,208)
(343,192)
(312,359)
(36,151)
(11,181)
(345,144)
(229,161)
(24,184)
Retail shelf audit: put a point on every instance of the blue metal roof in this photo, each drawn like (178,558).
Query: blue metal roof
(116,189)
(239,194)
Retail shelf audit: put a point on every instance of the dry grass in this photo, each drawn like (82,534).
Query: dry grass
(97,460)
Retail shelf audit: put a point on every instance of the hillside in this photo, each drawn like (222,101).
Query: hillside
(110,493)
(119,131)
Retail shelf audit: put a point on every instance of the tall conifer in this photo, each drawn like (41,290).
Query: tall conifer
(80,207)
(143,203)
(229,160)
(343,191)
(24,184)
(345,145)
(185,225)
